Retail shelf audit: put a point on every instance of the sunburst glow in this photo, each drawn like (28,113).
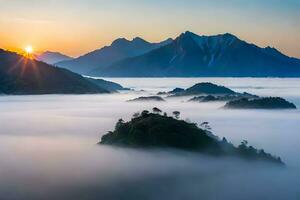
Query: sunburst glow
(28,49)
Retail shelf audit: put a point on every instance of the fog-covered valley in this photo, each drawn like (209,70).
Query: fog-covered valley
(48,146)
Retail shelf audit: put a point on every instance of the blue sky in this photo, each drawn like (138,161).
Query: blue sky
(77,26)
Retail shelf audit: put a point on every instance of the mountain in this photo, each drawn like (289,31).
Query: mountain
(219,55)
(122,48)
(21,75)
(52,57)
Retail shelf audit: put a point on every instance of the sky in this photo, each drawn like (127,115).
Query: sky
(75,27)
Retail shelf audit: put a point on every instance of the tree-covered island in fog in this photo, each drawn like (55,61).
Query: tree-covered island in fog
(260,103)
(148,98)
(157,130)
(209,91)
(202,88)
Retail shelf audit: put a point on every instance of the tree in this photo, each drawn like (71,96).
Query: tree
(188,120)
(119,123)
(245,142)
(176,114)
(165,114)
(224,140)
(252,150)
(144,113)
(244,145)
(205,126)
(156,110)
(262,153)
(136,115)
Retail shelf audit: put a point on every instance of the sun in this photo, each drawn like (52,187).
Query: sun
(28,49)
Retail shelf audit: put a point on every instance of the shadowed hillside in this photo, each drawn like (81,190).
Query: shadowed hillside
(21,75)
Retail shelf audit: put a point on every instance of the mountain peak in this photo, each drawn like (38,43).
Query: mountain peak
(53,53)
(51,57)
(189,33)
(47,52)
(271,48)
(119,41)
(225,35)
(212,43)
(124,41)
(186,34)
(139,39)
(229,36)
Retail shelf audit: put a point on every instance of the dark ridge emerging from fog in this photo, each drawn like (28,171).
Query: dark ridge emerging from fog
(107,85)
(21,75)
(174,91)
(152,130)
(207,88)
(261,103)
(202,88)
(211,92)
(149,98)
(228,97)
(191,55)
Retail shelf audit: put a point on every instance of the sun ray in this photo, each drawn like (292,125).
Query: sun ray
(29,49)
(28,52)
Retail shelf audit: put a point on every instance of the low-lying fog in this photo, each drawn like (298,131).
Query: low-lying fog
(48,146)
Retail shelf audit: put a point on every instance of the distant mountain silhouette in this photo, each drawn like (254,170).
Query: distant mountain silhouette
(194,55)
(52,57)
(21,75)
(122,48)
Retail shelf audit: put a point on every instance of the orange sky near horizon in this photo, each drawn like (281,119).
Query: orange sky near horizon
(77,27)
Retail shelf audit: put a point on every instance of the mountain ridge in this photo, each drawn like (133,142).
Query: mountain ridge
(218,55)
(119,49)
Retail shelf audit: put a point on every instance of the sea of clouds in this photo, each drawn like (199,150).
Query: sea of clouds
(48,146)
